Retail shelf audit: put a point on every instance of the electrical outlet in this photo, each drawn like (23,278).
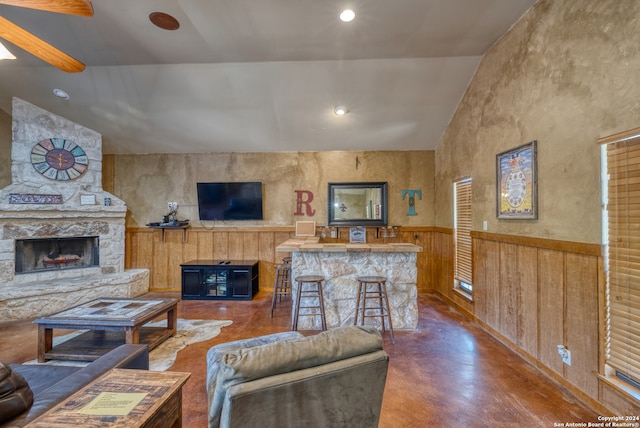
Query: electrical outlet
(565,354)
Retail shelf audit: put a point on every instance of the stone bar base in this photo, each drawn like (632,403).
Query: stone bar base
(341,269)
(25,301)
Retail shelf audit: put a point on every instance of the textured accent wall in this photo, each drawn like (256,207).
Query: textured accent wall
(564,75)
(147,182)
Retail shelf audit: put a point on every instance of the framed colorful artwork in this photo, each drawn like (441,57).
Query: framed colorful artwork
(517,183)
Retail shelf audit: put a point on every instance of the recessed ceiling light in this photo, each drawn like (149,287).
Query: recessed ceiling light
(347,15)
(164,21)
(61,94)
(340,110)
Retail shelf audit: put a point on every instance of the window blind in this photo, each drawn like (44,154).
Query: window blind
(623,256)
(462,230)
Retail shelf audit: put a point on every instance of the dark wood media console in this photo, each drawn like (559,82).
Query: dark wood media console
(220,279)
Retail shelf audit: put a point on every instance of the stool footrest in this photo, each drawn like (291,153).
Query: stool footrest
(313,291)
(282,285)
(378,294)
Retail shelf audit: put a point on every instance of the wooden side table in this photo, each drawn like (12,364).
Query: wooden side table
(160,407)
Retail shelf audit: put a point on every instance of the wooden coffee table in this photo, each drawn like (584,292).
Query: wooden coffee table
(159,402)
(110,322)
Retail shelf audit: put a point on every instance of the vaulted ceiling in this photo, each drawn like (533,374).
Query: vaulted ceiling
(260,75)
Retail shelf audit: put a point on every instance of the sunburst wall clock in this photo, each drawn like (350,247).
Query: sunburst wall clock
(59,159)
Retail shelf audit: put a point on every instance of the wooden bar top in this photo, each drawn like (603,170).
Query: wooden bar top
(313,245)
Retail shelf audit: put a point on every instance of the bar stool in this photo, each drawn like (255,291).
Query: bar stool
(282,284)
(313,290)
(373,288)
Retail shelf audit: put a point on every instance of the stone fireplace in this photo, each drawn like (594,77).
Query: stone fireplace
(61,235)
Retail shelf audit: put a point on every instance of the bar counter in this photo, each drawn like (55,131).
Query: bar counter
(341,263)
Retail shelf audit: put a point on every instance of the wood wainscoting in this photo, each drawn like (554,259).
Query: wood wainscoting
(535,294)
(162,251)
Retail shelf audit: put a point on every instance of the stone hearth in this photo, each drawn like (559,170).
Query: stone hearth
(70,208)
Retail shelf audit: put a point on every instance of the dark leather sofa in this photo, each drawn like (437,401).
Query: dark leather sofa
(51,384)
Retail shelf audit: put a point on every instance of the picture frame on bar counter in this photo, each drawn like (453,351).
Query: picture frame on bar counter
(357,235)
(517,183)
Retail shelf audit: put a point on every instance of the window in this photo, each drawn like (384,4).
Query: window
(621,236)
(462,234)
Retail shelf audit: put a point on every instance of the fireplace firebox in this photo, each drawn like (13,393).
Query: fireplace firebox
(37,255)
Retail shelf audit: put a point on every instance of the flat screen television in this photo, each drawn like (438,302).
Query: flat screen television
(230,201)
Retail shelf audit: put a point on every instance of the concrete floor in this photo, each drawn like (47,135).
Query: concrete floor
(447,373)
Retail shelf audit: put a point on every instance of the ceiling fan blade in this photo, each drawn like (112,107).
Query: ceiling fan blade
(70,7)
(38,47)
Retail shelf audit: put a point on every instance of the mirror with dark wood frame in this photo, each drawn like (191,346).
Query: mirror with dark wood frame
(357,204)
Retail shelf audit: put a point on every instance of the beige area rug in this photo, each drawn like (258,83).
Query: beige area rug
(164,355)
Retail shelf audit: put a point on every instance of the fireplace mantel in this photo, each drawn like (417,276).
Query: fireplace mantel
(34,211)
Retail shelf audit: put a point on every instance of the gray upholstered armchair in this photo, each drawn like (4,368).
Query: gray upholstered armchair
(333,379)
